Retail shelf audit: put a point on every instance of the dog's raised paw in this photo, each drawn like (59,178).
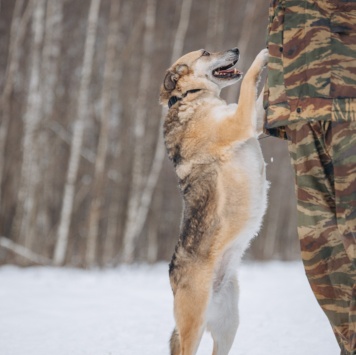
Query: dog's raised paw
(263,57)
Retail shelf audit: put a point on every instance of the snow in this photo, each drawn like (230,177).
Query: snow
(128,311)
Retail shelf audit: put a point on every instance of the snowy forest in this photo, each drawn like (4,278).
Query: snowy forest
(84,178)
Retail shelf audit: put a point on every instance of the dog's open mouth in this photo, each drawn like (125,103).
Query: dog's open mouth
(227,72)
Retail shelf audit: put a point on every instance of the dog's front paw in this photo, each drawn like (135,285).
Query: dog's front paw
(258,64)
(262,57)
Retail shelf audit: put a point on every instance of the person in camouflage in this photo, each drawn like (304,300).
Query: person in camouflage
(310,99)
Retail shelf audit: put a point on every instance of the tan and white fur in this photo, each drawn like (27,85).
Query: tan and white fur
(221,172)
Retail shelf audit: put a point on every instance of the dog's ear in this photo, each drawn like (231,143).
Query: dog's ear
(170,81)
(182,69)
(171,78)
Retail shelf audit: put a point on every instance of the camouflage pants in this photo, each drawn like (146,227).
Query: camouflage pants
(323,155)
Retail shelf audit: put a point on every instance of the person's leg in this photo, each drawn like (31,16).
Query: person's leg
(343,152)
(328,268)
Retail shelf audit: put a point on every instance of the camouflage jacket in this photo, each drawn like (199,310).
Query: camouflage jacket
(312,65)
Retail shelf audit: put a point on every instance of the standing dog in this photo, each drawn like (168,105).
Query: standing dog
(221,172)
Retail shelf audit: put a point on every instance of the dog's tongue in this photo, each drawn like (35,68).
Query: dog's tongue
(230,71)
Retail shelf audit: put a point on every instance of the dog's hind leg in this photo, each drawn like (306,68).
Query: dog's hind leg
(223,317)
(191,298)
(174,343)
(190,305)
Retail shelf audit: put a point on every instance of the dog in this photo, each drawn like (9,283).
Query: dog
(221,173)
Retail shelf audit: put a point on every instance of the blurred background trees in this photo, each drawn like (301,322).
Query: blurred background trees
(84,180)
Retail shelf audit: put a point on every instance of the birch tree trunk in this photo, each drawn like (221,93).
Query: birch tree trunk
(77,138)
(99,173)
(141,211)
(29,177)
(139,132)
(17,33)
(117,210)
(243,43)
(216,25)
(51,53)
(49,77)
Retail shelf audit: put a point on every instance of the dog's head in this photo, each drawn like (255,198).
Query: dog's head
(200,70)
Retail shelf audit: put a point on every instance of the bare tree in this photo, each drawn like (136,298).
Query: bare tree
(139,134)
(215,29)
(146,197)
(125,49)
(99,173)
(17,33)
(243,43)
(77,138)
(29,178)
(51,54)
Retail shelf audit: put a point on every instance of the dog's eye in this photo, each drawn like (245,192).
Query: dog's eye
(205,53)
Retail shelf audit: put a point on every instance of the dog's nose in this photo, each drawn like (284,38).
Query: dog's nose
(235,50)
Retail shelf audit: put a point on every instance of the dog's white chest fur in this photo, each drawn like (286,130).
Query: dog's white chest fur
(246,163)
(248,160)
(245,199)
(222,111)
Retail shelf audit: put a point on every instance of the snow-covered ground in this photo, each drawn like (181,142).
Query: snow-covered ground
(128,311)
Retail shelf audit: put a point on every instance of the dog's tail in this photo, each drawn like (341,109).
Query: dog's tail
(174,343)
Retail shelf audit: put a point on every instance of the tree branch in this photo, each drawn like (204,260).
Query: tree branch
(6,243)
